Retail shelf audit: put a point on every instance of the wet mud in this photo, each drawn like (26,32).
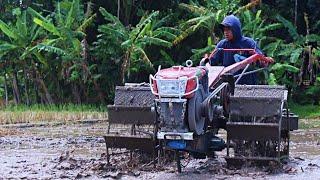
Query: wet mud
(78,151)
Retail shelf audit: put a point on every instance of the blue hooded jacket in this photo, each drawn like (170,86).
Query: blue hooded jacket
(239,42)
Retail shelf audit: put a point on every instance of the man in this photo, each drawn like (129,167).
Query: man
(233,40)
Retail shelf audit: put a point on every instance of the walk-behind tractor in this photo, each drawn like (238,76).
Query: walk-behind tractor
(182,108)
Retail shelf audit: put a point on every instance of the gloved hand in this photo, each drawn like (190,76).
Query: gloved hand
(204,60)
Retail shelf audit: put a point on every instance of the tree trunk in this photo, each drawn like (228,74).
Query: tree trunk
(59,90)
(96,85)
(100,93)
(45,90)
(124,67)
(26,87)
(82,91)
(15,89)
(118,12)
(296,13)
(36,90)
(6,88)
(42,85)
(76,94)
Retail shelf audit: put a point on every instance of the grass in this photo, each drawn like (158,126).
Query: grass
(47,113)
(309,123)
(55,108)
(307,111)
(309,115)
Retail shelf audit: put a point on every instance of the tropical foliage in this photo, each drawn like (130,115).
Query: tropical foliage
(57,52)
(132,42)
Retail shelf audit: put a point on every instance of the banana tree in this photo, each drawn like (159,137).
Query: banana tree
(207,17)
(298,53)
(66,40)
(19,48)
(131,42)
(255,26)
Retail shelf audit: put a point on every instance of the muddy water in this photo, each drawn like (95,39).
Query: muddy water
(77,151)
(306,143)
(304,163)
(36,152)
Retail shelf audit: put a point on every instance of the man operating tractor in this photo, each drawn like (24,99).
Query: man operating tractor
(187,105)
(234,39)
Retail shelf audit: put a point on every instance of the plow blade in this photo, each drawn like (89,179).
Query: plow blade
(144,144)
(258,127)
(250,131)
(133,104)
(130,115)
(131,120)
(239,161)
(257,106)
(134,95)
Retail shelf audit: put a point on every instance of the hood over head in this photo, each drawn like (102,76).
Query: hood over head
(234,23)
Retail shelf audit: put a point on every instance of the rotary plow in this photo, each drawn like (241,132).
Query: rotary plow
(181,109)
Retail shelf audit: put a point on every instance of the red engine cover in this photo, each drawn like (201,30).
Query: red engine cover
(179,71)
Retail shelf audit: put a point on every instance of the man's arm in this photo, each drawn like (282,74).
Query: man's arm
(254,45)
(216,55)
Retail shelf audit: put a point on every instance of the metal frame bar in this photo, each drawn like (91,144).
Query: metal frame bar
(214,92)
(251,72)
(242,73)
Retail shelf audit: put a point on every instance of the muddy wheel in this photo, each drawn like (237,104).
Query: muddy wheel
(195,119)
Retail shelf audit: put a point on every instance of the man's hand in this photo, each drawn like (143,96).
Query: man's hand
(266,61)
(270,59)
(204,60)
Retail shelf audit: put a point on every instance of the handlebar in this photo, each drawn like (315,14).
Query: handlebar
(261,57)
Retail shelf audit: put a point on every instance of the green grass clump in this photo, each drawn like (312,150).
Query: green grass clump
(307,111)
(309,115)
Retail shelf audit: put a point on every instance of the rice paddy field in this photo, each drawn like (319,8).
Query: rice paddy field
(48,113)
(57,142)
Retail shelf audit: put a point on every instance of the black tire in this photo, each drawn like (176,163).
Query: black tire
(195,119)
